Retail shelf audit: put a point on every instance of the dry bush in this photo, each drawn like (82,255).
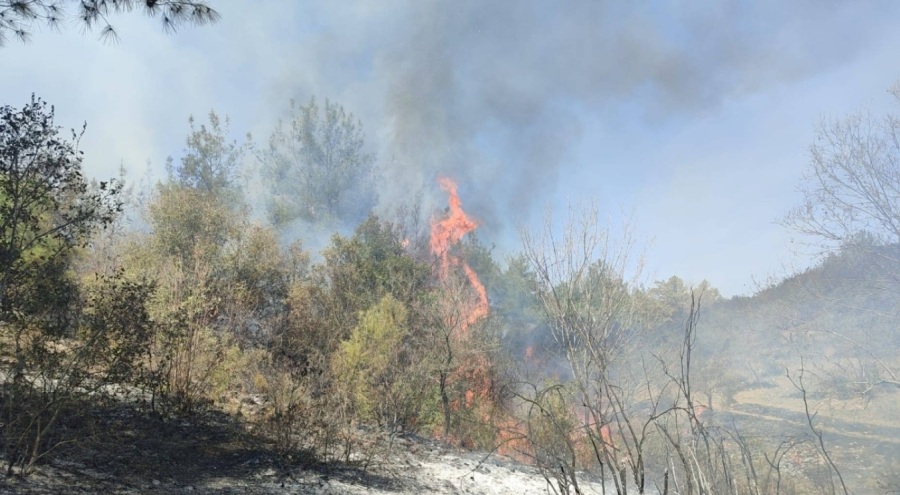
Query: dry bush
(191,357)
(288,413)
(55,374)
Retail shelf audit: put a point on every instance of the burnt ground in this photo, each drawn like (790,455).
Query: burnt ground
(124,449)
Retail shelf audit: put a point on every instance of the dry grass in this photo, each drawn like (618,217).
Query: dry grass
(881,410)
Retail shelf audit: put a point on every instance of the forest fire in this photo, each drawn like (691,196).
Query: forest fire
(447,232)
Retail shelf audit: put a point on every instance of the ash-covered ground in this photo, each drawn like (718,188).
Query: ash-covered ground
(135,453)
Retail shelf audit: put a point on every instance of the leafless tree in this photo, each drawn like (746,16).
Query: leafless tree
(584,276)
(852,184)
(626,413)
(797,382)
(851,202)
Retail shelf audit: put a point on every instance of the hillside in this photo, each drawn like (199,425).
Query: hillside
(838,321)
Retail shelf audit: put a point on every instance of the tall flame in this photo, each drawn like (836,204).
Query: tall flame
(447,232)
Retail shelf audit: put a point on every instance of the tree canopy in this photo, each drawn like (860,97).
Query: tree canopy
(19,17)
(47,208)
(852,183)
(316,168)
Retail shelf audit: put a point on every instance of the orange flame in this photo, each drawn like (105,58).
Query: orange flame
(447,232)
(481,308)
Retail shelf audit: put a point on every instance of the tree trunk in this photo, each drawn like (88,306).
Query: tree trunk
(445,402)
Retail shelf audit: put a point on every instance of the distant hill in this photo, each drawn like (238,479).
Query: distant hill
(840,316)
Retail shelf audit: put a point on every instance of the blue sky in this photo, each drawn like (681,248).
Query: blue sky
(696,116)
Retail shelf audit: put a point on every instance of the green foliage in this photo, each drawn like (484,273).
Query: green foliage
(199,208)
(316,168)
(369,365)
(117,330)
(672,295)
(41,294)
(372,263)
(552,428)
(210,163)
(480,258)
(594,312)
(185,222)
(667,303)
(226,289)
(212,315)
(259,272)
(514,288)
(306,339)
(293,418)
(196,355)
(48,211)
(514,303)
(47,208)
(364,361)
(106,352)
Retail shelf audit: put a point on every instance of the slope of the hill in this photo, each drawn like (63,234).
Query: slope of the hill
(838,322)
(841,316)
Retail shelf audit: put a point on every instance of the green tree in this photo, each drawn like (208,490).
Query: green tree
(316,168)
(585,284)
(211,163)
(226,288)
(186,222)
(671,298)
(198,209)
(59,345)
(115,322)
(47,208)
(672,293)
(18,17)
(262,270)
(372,263)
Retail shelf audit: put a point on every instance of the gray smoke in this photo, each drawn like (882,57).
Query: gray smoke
(493,93)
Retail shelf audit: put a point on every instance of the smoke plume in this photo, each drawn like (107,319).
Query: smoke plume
(493,93)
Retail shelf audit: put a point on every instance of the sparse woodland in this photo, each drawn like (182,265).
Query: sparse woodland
(180,299)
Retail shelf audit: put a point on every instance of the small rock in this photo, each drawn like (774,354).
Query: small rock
(155,483)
